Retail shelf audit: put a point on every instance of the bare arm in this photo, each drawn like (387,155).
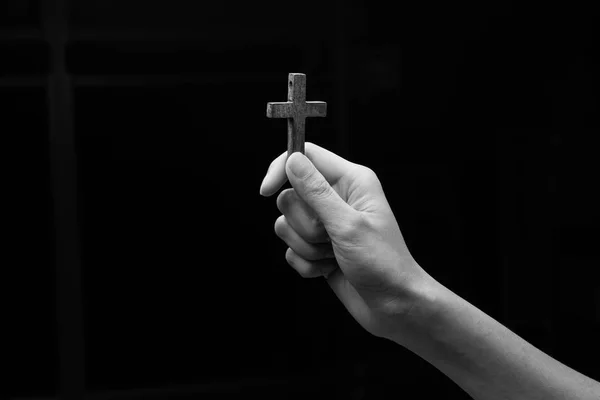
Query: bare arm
(358,246)
(483,357)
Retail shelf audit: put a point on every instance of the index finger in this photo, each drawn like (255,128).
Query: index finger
(331,166)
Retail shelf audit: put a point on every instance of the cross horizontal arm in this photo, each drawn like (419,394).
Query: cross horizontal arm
(316,108)
(296,110)
(280,110)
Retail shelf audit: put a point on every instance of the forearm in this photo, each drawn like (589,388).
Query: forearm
(485,358)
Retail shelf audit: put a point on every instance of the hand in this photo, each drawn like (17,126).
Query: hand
(336,220)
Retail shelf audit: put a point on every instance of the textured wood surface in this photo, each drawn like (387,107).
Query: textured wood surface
(296,110)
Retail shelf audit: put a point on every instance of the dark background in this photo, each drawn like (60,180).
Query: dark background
(141,261)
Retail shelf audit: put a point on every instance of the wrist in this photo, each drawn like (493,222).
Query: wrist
(418,317)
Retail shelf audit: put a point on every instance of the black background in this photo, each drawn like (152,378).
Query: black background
(481,121)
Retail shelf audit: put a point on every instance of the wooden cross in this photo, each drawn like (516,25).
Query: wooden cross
(296,110)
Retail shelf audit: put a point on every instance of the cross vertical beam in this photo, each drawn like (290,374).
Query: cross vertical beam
(63,171)
(296,110)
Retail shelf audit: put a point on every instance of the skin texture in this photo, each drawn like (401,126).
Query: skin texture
(338,223)
(336,220)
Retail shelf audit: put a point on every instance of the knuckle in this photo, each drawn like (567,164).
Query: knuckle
(367,171)
(280,226)
(362,223)
(367,177)
(295,262)
(306,272)
(355,227)
(289,256)
(283,199)
(314,231)
(368,174)
(303,273)
(318,189)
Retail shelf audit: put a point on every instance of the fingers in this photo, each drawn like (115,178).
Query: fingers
(314,189)
(310,269)
(306,250)
(275,177)
(301,217)
(331,166)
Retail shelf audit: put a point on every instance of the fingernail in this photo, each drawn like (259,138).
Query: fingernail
(299,165)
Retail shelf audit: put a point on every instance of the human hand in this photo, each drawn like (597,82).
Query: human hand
(336,220)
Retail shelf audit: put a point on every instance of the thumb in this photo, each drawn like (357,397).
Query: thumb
(313,188)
